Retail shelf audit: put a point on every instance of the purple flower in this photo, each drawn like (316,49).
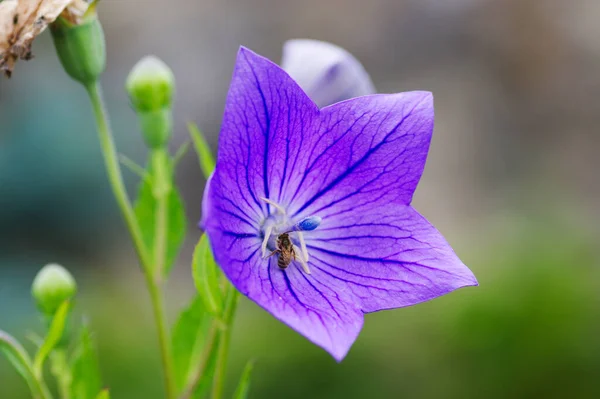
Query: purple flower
(327,73)
(329,191)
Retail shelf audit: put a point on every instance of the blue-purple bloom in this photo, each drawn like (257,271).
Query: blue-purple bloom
(326,72)
(349,170)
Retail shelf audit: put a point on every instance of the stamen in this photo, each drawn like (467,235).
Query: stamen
(303,245)
(274,204)
(268,232)
(300,258)
(281,225)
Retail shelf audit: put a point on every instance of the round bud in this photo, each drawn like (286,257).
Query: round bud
(80,47)
(51,287)
(150,85)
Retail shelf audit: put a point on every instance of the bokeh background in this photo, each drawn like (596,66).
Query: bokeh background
(512,181)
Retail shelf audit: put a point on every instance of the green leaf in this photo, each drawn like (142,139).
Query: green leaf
(207,277)
(86,381)
(104,394)
(205,156)
(145,212)
(55,333)
(132,166)
(189,335)
(181,151)
(18,357)
(244,387)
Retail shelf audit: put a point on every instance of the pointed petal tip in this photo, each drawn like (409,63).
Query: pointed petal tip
(423,96)
(473,281)
(246,54)
(243,49)
(339,354)
(466,279)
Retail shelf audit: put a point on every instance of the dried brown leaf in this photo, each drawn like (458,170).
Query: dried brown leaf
(21,21)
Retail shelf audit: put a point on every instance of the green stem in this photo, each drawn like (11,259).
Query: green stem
(197,374)
(160,187)
(224,339)
(113,170)
(163,336)
(115,178)
(40,390)
(61,371)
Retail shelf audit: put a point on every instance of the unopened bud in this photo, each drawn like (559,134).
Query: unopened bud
(51,287)
(150,86)
(80,46)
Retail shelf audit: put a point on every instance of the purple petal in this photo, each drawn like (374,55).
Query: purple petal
(327,72)
(309,305)
(267,116)
(267,120)
(388,257)
(369,151)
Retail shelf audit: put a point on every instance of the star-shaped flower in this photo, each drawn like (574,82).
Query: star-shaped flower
(308,210)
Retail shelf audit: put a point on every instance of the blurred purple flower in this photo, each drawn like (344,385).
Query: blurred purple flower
(337,180)
(326,72)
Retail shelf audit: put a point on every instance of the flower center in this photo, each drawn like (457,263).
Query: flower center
(283,237)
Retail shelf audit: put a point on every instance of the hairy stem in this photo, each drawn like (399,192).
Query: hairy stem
(115,178)
(224,338)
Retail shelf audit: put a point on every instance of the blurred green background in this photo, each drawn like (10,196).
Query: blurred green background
(511,181)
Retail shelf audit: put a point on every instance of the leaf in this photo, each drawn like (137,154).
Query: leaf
(55,333)
(181,151)
(244,387)
(145,211)
(205,156)
(86,381)
(104,394)
(18,357)
(189,335)
(207,277)
(132,166)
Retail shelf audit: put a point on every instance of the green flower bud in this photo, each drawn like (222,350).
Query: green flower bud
(150,85)
(51,287)
(79,42)
(80,46)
